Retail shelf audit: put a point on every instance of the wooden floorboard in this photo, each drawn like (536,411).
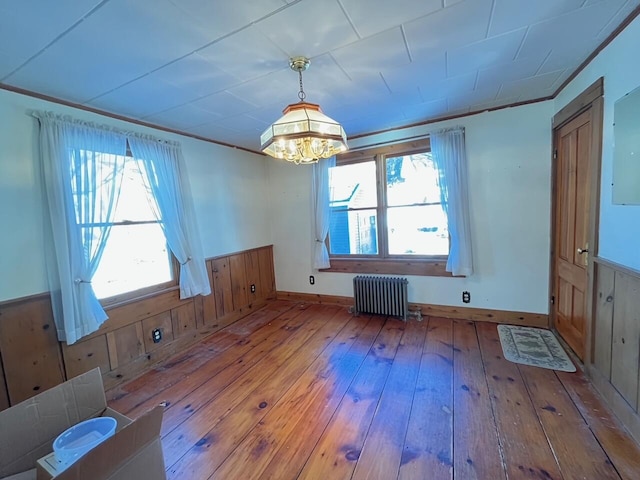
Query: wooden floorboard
(300,391)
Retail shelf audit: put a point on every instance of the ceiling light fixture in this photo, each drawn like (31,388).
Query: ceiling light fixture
(303,134)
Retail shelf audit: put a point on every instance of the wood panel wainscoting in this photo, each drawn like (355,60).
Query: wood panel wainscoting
(615,367)
(33,360)
(526,319)
(309,391)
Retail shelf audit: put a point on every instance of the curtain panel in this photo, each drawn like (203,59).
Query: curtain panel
(321,211)
(166,178)
(75,159)
(449,154)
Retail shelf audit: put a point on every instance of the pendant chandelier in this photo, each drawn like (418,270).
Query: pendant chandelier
(303,134)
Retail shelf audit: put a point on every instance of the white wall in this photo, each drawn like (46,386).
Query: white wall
(619,239)
(509,156)
(229,186)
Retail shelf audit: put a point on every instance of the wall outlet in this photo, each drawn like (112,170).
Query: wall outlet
(466,297)
(156,335)
(253,288)
(312,280)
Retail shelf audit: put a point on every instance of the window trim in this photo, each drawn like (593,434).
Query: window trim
(384,263)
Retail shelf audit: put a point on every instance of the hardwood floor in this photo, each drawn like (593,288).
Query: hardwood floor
(298,391)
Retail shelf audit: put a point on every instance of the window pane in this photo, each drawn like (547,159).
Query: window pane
(353,186)
(135,257)
(353,232)
(412,179)
(418,230)
(133,204)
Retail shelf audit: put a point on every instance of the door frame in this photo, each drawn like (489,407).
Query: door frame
(591,98)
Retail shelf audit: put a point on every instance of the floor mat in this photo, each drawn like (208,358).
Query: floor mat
(533,346)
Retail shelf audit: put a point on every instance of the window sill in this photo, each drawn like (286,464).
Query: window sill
(133,297)
(418,267)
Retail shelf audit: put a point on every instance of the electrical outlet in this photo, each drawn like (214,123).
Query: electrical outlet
(312,280)
(466,297)
(156,335)
(253,288)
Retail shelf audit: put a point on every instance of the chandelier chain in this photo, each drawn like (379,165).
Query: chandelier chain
(301,94)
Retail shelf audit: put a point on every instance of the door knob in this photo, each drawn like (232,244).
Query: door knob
(583,250)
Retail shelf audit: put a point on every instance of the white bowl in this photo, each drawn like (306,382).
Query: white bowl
(82,437)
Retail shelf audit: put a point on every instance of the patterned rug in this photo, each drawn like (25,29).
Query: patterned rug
(533,346)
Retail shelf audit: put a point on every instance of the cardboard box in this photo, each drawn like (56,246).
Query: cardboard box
(27,432)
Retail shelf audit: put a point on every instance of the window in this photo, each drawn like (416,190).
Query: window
(386,212)
(135,259)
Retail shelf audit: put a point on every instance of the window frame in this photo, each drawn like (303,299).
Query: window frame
(134,295)
(383,262)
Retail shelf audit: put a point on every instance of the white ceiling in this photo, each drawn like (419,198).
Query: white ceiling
(219,69)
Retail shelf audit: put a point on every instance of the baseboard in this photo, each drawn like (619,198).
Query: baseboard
(461,313)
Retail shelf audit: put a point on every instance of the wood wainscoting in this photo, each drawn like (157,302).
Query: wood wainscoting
(33,360)
(526,319)
(615,367)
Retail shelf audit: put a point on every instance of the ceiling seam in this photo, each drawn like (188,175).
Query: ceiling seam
(524,39)
(406,43)
(537,72)
(490,22)
(349,19)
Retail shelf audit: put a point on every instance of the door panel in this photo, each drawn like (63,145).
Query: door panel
(573,179)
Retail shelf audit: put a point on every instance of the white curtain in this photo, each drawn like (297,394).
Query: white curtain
(449,154)
(321,211)
(82,168)
(166,178)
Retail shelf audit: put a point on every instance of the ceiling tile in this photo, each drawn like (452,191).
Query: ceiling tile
(183,117)
(533,86)
(244,122)
(277,87)
(513,14)
(375,16)
(424,111)
(445,88)
(457,102)
(513,70)
(296,33)
(485,53)
(426,71)
(370,55)
(221,21)
(223,104)
(197,74)
(142,98)
(47,20)
(461,24)
(246,55)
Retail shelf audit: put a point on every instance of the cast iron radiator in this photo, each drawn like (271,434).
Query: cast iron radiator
(381,295)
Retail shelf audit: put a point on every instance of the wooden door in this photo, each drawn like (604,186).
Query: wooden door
(572,227)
